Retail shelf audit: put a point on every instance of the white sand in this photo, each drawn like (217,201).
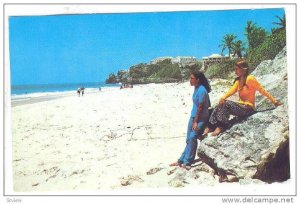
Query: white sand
(92,142)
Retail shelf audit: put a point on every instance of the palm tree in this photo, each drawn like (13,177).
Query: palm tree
(227,42)
(255,35)
(249,32)
(238,47)
(281,24)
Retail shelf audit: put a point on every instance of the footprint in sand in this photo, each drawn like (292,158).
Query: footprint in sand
(36,184)
(76,172)
(130,179)
(53,176)
(171,171)
(153,171)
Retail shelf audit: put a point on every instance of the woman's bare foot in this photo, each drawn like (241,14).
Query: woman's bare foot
(206,131)
(175,164)
(217,131)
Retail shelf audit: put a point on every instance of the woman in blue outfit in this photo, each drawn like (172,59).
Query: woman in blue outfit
(198,119)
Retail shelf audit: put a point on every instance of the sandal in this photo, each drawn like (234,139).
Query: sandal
(187,167)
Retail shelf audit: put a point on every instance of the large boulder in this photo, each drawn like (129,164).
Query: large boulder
(256,147)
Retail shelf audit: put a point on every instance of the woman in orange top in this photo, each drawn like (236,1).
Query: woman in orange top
(246,86)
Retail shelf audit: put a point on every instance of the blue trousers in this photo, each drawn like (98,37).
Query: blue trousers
(189,153)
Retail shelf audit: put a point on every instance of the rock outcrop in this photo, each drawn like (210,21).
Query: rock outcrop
(258,147)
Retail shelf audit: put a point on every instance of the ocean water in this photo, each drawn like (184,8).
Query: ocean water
(52,89)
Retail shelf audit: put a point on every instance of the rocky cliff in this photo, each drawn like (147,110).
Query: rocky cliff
(257,147)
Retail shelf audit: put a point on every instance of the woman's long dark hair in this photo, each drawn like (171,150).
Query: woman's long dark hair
(203,80)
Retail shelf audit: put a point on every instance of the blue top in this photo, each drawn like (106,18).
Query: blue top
(200,96)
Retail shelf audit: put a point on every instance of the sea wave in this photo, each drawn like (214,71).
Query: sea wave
(37,90)
(17,97)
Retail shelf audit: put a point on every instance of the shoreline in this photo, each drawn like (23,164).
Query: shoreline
(32,100)
(24,99)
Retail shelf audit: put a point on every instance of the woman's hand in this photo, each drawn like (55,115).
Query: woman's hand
(195,126)
(278,103)
(222,101)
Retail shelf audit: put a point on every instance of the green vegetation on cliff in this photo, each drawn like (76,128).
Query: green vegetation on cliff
(161,72)
(261,46)
(268,49)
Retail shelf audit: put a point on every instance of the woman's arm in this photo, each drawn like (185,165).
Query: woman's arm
(230,92)
(264,92)
(201,97)
(197,117)
(199,110)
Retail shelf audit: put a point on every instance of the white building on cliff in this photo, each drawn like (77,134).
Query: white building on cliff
(214,58)
(183,60)
(160,59)
(179,59)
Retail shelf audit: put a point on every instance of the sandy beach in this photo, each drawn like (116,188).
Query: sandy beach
(95,141)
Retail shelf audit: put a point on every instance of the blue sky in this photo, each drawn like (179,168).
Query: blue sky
(87,48)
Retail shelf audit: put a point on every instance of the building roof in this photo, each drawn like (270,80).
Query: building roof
(188,57)
(215,56)
(167,57)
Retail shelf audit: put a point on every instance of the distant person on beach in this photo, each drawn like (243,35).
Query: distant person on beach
(78,91)
(123,86)
(246,86)
(198,118)
(82,91)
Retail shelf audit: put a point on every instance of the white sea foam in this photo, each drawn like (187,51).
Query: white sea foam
(17,97)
